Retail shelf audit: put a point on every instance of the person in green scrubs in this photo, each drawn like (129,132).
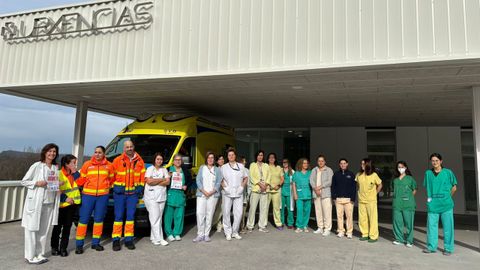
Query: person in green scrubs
(302,194)
(287,200)
(175,201)
(440,184)
(404,189)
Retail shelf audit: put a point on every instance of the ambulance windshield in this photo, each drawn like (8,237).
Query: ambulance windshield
(145,145)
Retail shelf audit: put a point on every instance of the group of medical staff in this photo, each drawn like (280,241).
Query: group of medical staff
(224,189)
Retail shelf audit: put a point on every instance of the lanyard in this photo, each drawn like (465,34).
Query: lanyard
(235,169)
(212,171)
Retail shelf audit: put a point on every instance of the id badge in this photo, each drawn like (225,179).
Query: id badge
(405,198)
(176,180)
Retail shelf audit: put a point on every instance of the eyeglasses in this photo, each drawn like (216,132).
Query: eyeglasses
(177,160)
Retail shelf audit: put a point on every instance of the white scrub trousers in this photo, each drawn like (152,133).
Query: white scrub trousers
(227,204)
(205,210)
(155,213)
(36,241)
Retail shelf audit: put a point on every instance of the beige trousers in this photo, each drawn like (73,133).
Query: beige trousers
(344,206)
(323,213)
(255,199)
(276,200)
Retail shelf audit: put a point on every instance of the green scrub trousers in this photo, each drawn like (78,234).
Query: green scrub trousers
(402,219)
(286,206)
(303,212)
(448,229)
(174,213)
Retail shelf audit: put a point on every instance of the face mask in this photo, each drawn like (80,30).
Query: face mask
(402,170)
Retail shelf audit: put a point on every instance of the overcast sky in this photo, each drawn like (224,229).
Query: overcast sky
(27,123)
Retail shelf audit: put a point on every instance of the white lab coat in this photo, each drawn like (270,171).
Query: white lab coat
(34,201)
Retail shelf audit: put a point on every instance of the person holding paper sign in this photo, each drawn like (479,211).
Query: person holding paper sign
(208,183)
(176,201)
(40,211)
(234,181)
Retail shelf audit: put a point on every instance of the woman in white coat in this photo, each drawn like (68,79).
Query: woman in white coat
(157,179)
(208,179)
(40,211)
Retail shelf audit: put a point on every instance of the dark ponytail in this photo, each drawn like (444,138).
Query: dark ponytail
(66,160)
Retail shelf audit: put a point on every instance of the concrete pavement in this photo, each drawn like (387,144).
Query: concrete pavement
(274,250)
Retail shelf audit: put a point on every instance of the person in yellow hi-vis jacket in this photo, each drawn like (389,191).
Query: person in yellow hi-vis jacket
(275,189)
(369,184)
(259,178)
(70,199)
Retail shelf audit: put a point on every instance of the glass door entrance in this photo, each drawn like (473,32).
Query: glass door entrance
(285,143)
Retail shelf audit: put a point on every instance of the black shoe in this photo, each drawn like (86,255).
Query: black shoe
(55,252)
(116,245)
(130,245)
(79,250)
(97,247)
(63,253)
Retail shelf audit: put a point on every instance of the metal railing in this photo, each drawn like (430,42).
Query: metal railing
(12,198)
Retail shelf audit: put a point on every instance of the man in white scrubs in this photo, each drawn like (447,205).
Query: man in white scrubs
(234,181)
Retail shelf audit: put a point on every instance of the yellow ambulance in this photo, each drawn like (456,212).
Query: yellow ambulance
(171,134)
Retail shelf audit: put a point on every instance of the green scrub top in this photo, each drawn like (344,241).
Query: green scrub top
(302,183)
(176,197)
(286,184)
(439,198)
(403,198)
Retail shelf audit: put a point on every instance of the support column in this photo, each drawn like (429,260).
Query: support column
(79,131)
(476,140)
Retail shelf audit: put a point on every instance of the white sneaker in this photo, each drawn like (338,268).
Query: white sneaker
(237,236)
(397,243)
(306,230)
(178,238)
(298,230)
(340,234)
(170,238)
(264,230)
(219,229)
(156,243)
(349,236)
(163,243)
(35,260)
(41,257)
(318,231)
(228,237)
(326,233)
(408,245)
